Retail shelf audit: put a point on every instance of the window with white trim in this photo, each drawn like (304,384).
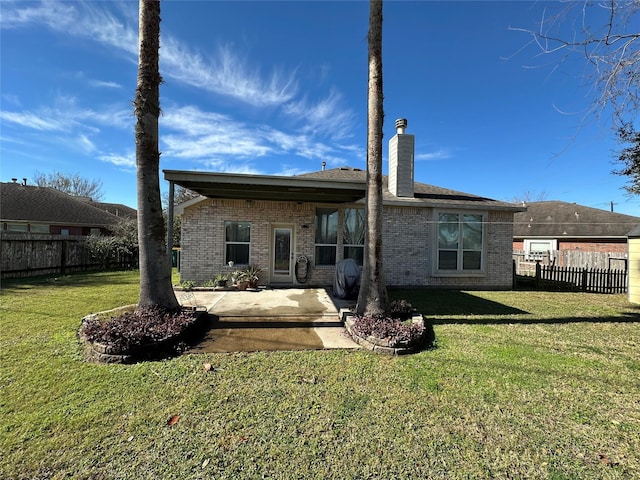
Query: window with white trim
(326,236)
(460,242)
(353,227)
(538,249)
(237,240)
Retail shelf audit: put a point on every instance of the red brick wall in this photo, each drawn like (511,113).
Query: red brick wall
(594,246)
(612,246)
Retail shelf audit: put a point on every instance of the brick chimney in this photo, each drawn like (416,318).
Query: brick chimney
(401,148)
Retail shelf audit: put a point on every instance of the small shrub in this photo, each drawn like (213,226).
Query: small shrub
(188,285)
(135,328)
(210,283)
(122,244)
(400,309)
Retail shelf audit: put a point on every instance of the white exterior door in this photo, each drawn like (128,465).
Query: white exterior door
(282,243)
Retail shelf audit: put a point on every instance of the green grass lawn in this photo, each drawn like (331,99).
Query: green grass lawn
(521,385)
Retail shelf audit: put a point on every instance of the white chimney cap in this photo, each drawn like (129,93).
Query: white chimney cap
(401,124)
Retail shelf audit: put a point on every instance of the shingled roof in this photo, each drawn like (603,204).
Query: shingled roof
(556,219)
(30,203)
(424,195)
(117,209)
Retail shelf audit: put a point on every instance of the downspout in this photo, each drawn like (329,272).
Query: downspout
(170,223)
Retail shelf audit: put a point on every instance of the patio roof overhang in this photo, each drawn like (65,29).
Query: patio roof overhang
(267,187)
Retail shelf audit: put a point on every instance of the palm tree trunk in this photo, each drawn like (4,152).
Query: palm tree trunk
(372,299)
(155,270)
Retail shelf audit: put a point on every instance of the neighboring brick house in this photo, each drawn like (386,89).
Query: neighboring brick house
(44,210)
(560,228)
(432,237)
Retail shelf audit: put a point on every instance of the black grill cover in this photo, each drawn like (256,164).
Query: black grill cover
(347,279)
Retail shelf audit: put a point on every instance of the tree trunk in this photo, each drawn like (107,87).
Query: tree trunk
(155,269)
(372,299)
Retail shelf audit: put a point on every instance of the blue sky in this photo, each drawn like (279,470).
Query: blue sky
(279,87)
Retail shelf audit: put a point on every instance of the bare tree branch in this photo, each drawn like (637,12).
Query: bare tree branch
(608,37)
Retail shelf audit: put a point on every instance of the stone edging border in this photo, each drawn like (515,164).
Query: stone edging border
(380,345)
(95,352)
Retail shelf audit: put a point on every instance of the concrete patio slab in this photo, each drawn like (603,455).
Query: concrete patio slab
(271,319)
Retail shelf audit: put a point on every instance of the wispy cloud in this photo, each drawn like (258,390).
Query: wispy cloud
(217,139)
(197,134)
(34,121)
(128,160)
(85,143)
(66,116)
(225,73)
(77,18)
(324,117)
(104,84)
(440,154)
(16,14)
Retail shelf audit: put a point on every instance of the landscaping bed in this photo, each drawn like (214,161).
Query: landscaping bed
(128,335)
(400,331)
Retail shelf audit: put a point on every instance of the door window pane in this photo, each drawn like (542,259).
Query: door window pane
(282,251)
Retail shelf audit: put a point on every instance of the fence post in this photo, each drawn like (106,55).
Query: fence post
(63,256)
(584,280)
(538,275)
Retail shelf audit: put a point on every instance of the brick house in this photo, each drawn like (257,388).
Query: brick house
(564,230)
(43,210)
(297,228)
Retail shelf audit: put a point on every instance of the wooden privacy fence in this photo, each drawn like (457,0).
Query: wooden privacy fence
(24,255)
(594,280)
(526,262)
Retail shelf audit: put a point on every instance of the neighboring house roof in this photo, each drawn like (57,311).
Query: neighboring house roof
(635,233)
(342,184)
(29,203)
(556,219)
(117,209)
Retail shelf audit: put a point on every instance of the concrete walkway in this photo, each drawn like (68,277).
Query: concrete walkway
(279,316)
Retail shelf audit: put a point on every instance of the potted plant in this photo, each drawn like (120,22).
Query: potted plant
(221,279)
(249,276)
